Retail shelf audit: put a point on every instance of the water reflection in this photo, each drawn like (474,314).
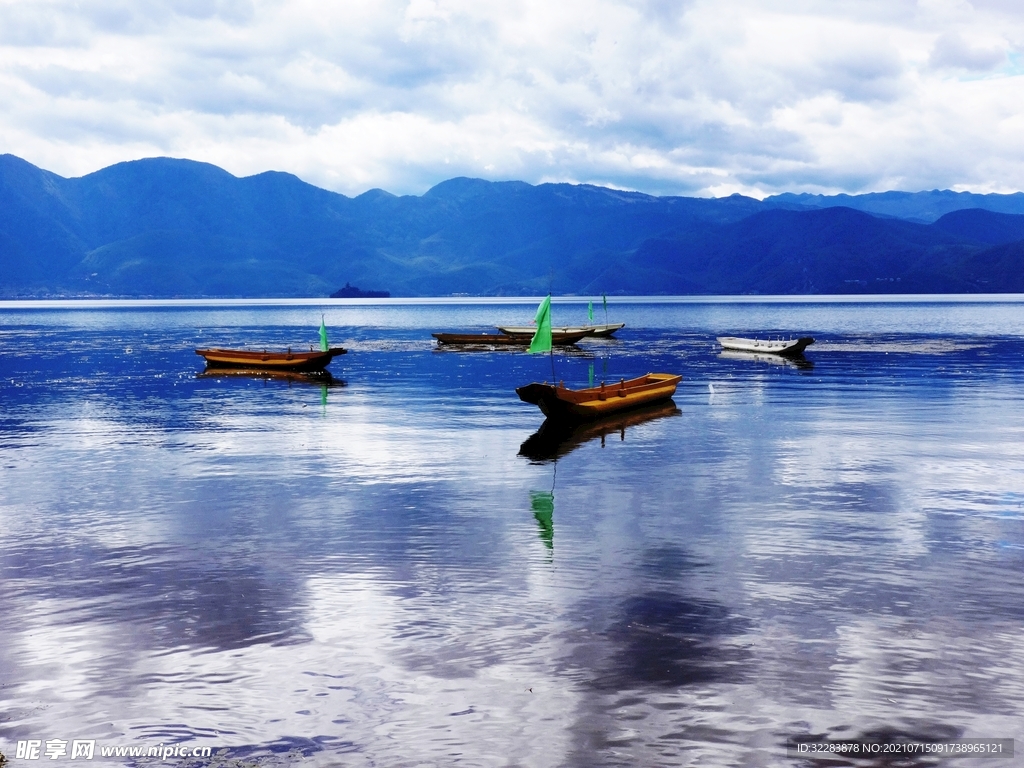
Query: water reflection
(169,600)
(836,555)
(792,361)
(316,378)
(669,639)
(15,428)
(555,438)
(543,505)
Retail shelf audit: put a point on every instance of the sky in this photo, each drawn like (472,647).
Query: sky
(668,97)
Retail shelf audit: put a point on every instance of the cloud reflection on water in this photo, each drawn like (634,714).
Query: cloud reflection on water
(236,562)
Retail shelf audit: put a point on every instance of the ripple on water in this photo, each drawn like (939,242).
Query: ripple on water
(387,571)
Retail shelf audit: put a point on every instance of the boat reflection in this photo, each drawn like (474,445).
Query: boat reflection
(793,361)
(567,350)
(555,438)
(316,378)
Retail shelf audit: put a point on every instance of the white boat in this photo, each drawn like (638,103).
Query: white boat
(785,347)
(595,330)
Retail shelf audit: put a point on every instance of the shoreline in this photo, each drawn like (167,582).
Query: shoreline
(860,298)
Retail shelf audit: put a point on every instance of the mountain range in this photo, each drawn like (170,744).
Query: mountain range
(164,227)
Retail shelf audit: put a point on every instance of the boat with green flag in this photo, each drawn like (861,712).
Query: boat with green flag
(560,402)
(314,360)
(505,339)
(288,360)
(539,337)
(600,331)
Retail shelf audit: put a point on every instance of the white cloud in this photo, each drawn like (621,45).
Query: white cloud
(670,97)
(951,50)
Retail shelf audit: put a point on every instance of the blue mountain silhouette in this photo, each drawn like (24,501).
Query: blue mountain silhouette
(164,227)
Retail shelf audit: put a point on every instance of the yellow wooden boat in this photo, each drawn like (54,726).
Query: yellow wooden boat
(314,360)
(560,402)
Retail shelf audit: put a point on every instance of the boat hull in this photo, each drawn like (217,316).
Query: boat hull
(269,361)
(596,402)
(506,339)
(786,347)
(599,331)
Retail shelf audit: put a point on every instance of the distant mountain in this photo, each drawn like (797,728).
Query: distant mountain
(164,228)
(982,226)
(924,207)
(828,251)
(996,270)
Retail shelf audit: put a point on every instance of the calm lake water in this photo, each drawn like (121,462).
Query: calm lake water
(381,573)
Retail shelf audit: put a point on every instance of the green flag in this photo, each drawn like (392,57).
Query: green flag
(590,311)
(323,335)
(541,341)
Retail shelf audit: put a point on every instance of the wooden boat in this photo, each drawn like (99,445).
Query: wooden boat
(594,402)
(505,339)
(314,360)
(557,437)
(767,346)
(599,331)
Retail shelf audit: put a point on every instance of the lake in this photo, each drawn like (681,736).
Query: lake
(395,570)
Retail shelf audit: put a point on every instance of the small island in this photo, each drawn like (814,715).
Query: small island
(351,292)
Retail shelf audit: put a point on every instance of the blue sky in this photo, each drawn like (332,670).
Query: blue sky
(687,97)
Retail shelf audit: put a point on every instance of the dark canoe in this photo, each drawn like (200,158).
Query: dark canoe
(506,339)
(269,361)
(595,402)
